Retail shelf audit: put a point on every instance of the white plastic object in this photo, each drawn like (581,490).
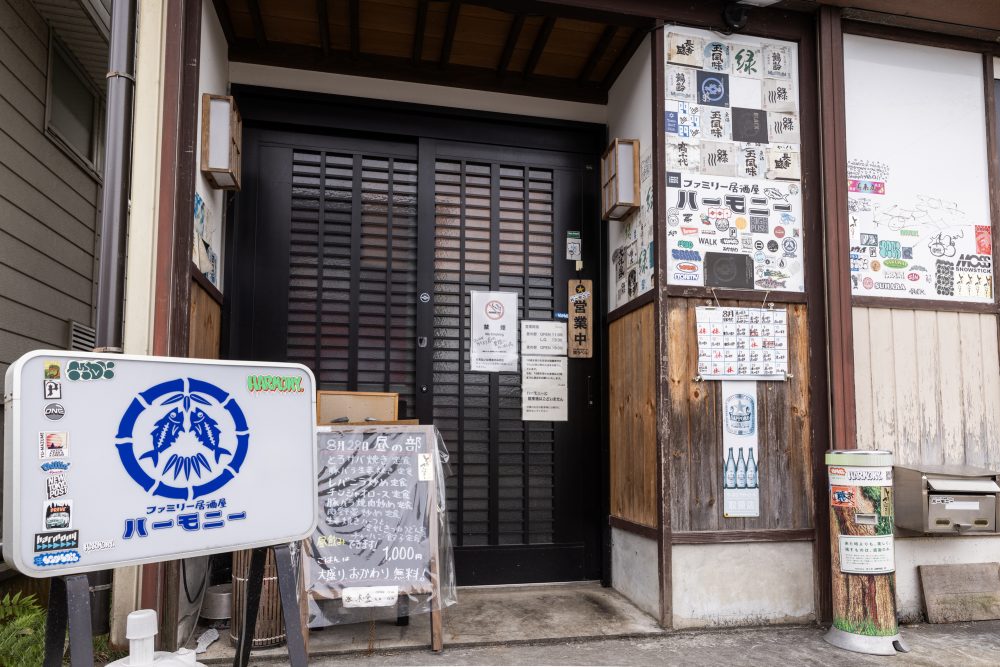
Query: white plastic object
(140,630)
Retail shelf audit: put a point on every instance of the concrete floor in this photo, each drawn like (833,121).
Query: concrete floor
(584,624)
(958,645)
(483,616)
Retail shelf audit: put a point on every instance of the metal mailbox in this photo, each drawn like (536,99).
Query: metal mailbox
(953,499)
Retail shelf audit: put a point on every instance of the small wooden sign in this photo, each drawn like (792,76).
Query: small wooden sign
(581,319)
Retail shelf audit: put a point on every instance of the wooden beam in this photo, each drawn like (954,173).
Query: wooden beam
(624,56)
(323,17)
(539,46)
(605,15)
(508,48)
(258,22)
(598,52)
(449,32)
(299,56)
(355,17)
(225,20)
(418,31)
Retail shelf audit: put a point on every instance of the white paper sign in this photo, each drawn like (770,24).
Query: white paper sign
(742,343)
(170,458)
(741,476)
(867,554)
(543,337)
(370,596)
(544,388)
(493,346)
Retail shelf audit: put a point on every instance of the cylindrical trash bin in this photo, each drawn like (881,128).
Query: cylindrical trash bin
(270,627)
(861,539)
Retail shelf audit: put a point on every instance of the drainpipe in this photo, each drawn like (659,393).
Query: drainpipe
(117,166)
(114,221)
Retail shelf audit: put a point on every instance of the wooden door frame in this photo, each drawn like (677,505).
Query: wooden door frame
(269,112)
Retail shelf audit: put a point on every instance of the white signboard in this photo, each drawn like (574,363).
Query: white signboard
(544,388)
(114,460)
(741,477)
(543,337)
(493,346)
(919,228)
(742,343)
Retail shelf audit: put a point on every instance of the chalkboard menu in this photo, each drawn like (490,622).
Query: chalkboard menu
(376,535)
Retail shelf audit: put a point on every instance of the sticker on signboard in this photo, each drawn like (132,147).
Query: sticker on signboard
(58,515)
(53,541)
(52,389)
(53,444)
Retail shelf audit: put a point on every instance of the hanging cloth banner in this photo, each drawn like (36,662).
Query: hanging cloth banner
(741,477)
(493,343)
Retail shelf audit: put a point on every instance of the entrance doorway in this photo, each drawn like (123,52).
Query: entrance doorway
(354,250)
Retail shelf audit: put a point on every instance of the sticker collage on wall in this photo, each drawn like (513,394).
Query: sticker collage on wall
(632,258)
(734,204)
(923,247)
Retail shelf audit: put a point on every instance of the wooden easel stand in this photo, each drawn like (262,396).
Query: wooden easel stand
(69,604)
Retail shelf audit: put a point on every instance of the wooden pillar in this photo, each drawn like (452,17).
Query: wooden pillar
(839,314)
(833,145)
(175,228)
(661,312)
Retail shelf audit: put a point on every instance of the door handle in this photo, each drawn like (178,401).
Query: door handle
(590,391)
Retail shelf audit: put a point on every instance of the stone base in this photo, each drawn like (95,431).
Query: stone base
(864,644)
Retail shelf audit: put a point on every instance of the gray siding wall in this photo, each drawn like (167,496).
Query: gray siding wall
(48,202)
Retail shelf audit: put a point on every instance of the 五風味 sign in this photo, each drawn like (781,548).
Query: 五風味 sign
(112,460)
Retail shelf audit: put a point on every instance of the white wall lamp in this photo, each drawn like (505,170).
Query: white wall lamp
(221,137)
(620,179)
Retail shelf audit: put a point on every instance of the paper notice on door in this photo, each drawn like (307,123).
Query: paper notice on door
(493,343)
(544,388)
(543,337)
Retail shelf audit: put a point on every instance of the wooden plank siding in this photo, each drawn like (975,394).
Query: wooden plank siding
(632,397)
(784,423)
(928,385)
(48,201)
(206,324)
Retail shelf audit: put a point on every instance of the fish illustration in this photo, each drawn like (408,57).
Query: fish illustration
(207,431)
(165,434)
(774,193)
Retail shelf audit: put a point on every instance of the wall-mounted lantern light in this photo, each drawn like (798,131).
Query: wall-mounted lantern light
(620,179)
(221,136)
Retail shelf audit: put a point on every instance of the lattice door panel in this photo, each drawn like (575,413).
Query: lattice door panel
(353,271)
(493,230)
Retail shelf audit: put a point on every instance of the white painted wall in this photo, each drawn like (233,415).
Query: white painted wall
(634,570)
(754,583)
(214,79)
(912,552)
(630,116)
(140,264)
(415,93)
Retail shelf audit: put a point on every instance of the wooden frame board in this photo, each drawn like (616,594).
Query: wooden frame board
(432,505)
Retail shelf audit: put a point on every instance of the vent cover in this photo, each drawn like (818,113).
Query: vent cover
(81,337)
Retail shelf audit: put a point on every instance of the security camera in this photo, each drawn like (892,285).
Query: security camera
(735,16)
